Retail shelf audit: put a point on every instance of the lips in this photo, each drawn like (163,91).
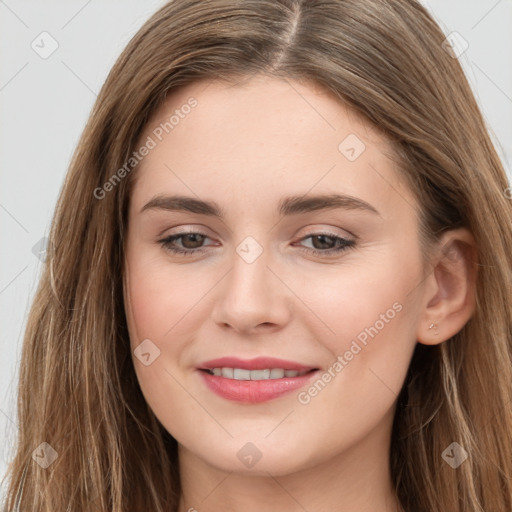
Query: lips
(255,380)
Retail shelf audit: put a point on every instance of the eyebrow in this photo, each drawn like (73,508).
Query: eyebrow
(291,205)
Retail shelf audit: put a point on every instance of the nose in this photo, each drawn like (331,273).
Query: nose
(251,298)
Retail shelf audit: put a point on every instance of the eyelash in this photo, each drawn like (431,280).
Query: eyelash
(345,244)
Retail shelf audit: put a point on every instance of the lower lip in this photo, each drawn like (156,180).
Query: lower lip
(254,391)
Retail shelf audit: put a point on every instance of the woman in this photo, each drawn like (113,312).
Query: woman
(280,276)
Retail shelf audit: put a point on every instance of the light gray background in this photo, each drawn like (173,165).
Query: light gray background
(44,104)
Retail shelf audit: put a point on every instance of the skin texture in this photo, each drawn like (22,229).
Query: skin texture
(246,147)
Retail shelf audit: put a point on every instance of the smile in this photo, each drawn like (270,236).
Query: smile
(266,374)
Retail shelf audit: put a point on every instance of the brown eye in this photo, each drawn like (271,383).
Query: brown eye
(192,240)
(191,243)
(324,243)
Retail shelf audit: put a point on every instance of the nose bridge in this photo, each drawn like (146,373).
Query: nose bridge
(248,282)
(250,268)
(251,295)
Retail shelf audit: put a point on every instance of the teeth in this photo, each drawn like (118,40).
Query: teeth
(227,372)
(239,374)
(276,373)
(260,374)
(267,374)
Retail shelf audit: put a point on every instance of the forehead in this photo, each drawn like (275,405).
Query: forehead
(262,137)
(263,106)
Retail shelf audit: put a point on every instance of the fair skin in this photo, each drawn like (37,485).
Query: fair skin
(246,147)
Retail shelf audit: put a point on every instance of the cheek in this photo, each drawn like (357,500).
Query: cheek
(154,304)
(157,306)
(368,321)
(159,298)
(165,304)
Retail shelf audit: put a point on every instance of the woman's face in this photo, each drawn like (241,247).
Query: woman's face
(305,259)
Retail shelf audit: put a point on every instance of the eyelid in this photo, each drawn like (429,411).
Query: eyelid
(185,229)
(316,229)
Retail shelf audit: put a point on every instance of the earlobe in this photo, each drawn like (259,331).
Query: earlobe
(434,326)
(451,298)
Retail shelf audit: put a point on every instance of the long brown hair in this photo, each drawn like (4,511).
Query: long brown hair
(78,391)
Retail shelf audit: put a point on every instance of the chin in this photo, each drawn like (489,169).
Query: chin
(256,459)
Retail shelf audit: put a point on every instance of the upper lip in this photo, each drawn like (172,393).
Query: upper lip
(258,363)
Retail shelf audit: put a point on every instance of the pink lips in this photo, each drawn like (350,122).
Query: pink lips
(253,391)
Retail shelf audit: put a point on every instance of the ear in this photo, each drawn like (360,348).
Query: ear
(450,297)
